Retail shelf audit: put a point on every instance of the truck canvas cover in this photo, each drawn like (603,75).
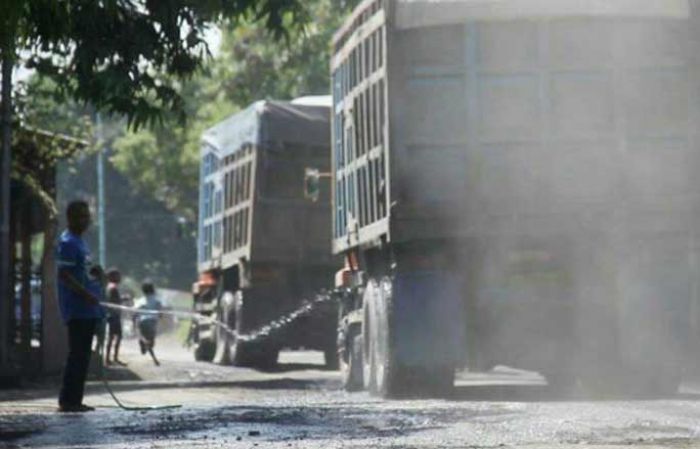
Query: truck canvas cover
(270,124)
(424,13)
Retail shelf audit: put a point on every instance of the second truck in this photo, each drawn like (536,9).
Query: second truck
(263,248)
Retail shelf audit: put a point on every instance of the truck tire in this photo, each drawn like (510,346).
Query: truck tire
(387,381)
(368,342)
(221,351)
(239,350)
(350,361)
(226,315)
(239,353)
(259,355)
(204,351)
(391,380)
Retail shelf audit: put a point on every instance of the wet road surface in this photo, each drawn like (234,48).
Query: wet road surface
(300,405)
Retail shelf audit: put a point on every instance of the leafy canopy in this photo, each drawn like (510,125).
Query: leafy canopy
(251,65)
(127,57)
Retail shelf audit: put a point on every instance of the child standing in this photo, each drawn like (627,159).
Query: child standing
(114,317)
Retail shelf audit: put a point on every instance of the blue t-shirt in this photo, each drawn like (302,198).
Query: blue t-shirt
(73,255)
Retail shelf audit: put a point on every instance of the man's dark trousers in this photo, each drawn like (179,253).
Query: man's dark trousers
(80,335)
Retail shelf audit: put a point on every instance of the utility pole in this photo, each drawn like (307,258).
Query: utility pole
(6,290)
(102,245)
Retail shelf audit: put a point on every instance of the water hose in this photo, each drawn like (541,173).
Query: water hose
(105,383)
(263,332)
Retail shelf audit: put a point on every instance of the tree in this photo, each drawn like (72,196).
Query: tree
(252,68)
(148,243)
(125,56)
(121,56)
(163,162)
(251,65)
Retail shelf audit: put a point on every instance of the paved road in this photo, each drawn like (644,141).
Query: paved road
(301,406)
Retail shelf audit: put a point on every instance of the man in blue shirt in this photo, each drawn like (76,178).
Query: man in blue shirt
(80,308)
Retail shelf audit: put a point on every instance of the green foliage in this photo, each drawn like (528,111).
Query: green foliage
(163,162)
(136,59)
(41,138)
(127,57)
(38,106)
(149,164)
(142,235)
(103,71)
(251,65)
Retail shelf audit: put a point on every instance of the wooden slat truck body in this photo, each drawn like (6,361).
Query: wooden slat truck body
(263,248)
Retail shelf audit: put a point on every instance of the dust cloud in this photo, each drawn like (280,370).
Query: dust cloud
(560,148)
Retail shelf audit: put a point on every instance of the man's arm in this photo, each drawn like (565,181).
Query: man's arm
(77,287)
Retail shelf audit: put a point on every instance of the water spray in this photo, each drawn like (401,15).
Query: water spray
(261,333)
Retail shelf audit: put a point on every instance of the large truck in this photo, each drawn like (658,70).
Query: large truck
(262,247)
(513,184)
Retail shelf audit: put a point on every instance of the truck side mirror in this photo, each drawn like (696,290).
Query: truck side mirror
(312,184)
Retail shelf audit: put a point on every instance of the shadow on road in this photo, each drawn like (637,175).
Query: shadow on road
(461,393)
(262,384)
(49,386)
(542,393)
(118,374)
(287,367)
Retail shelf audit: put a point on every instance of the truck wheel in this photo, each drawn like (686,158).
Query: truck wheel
(221,353)
(260,355)
(351,364)
(225,315)
(391,379)
(204,352)
(368,342)
(241,352)
(237,352)
(385,368)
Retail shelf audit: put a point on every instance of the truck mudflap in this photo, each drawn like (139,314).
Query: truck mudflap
(430,319)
